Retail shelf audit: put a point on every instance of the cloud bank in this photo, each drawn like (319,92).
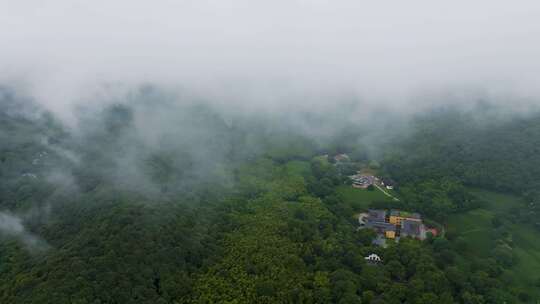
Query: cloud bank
(271,53)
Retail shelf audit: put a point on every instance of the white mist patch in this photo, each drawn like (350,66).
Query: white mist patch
(12,226)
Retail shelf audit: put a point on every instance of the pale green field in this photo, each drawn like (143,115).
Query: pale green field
(360,197)
(475,227)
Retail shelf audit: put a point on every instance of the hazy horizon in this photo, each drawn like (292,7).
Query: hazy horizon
(274,56)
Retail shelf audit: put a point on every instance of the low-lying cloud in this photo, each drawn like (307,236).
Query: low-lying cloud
(271,54)
(12,226)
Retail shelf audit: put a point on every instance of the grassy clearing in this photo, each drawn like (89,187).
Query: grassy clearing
(475,227)
(527,249)
(360,198)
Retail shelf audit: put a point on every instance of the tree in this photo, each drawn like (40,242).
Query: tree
(397,271)
(368,296)
(504,255)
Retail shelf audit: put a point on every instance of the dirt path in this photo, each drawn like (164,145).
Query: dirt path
(386,193)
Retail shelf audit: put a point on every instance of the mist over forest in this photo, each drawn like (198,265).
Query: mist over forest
(237,151)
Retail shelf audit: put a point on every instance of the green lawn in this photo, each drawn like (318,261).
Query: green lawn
(360,197)
(527,249)
(475,227)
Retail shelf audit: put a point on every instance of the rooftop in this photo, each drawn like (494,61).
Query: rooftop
(411,228)
(388,181)
(381,226)
(376,215)
(405,214)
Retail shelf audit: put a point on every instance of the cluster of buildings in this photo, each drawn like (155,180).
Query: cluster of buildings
(394,224)
(363,181)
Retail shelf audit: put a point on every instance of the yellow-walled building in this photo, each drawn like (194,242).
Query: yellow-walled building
(397,216)
(395,220)
(390,234)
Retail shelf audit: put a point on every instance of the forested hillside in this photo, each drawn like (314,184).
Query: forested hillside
(488,149)
(202,208)
(493,151)
(269,152)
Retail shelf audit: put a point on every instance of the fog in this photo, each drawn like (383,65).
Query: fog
(12,225)
(162,99)
(302,68)
(195,110)
(273,55)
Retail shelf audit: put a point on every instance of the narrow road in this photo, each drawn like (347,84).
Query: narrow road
(386,193)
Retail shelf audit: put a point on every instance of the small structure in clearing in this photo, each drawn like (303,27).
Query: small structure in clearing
(388,183)
(373,258)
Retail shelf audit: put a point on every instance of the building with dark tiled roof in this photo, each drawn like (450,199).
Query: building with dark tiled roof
(380,227)
(377,221)
(414,229)
(388,183)
(376,215)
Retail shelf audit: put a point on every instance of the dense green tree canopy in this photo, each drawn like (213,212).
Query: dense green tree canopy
(239,211)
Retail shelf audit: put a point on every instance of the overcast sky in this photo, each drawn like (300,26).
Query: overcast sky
(264,51)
